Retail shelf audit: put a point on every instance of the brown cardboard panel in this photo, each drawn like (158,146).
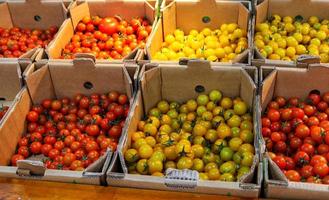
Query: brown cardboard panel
(5,18)
(12,128)
(62,38)
(243,17)
(155,41)
(268,86)
(247,89)
(262,10)
(305,8)
(50,13)
(150,85)
(299,82)
(104,78)
(219,13)
(78,12)
(169,19)
(40,85)
(10,83)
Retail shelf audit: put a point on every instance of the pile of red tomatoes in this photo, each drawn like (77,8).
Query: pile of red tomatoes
(107,38)
(73,133)
(296,133)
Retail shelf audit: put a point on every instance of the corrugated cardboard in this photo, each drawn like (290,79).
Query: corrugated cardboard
(127,9)
(178,14)
(58,80)
(175,82)
(286,82)
(304,8)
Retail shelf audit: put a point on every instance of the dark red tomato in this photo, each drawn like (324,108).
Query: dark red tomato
(322,106)
(79,154)
(318,159)
(37,108)
(293,175)
(23,141)
(31,127)
(84,103)
(293,101)
(298,113)
(64,132)
(317,134)
(290,164)
(45,149)
(35,147)
(302,131)
(295,142)
(24,151)
(75,146)
(275,126)
(273,115)
(306,171)
(265,131)
(281,101)
(280,147)
(309,140)
(35,137)
(49,140)
(325,97)
(275,136)
(323,149)
(308,148)
(81,113)
(268,143)
(309,110)
(321,169)
(266,122)
(95,110)
(53,153)
(123,99)
(286,127)
(110,116)
(32,116)
(15,158)
(115,131)
(273,105)
(325,125)
(280,161)
(295,122)
(118,110)
(314,98)
(301,158)
(325,180)
(46,103)
(313,121)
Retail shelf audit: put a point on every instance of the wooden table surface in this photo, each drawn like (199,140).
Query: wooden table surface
(28,189)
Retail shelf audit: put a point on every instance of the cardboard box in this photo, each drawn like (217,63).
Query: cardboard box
(57,80)
(127,9)
(304,8)
(286,82)
(199,14)
(174,82)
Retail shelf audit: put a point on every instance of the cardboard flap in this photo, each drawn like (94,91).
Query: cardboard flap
(37,13)
(40,85)
(5,18)
(169,19)
(150,84)
(308,59)
(84,62)
(261,11)
(85,55)
(198,66)
(268,85)
(78,12)
(243,17)
(10,83)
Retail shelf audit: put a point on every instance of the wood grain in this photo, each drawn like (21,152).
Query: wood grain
(29,189)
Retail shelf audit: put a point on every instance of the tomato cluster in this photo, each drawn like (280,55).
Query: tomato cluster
(3,111)
(296,133)
(73,133)
(15,41)
(107,38)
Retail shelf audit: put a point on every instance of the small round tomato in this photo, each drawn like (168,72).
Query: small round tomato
(93,155)
(302,131)
(115,131)
(301,158)
(321,169)
(293,175)
(45,149)
(53,153)
(280,161)
(273,115)
(308,148)
(15,158)
(32,116)
(91,146)
(35,147)
(306,171)
(68,159)
(298,113)
(295,142)
(24,151)
(318,159)
(92,130)
(286,114)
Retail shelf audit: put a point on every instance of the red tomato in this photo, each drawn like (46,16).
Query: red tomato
(115,131)
(314,98)
(91,146)
(280,161)
(306,171)
(318,159)
(45,148)
(92,130)
(297,113)
(24,151)
(108,26)
(321,169)
(308,148)
(301,158)
(32,116)
(293,175)
(15,158)
(35,147)
(302,131)
(93,155)
(68,159)
(53,153)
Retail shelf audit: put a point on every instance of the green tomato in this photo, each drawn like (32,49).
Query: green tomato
(218,161)
(237,157)
(215,96)
(235,132)
(226,154)
(183,109)
(200,110)
(218,146)
(247,136)
(247,159)
(228,114)
(227,177)
(208,158)
(246,125)
(155,112)
(182,117)
(216,121)
(202,99)
(246,148)
(240,108)
(228,167)
(174,105)
(242,171)
(163,106)
(172,113)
